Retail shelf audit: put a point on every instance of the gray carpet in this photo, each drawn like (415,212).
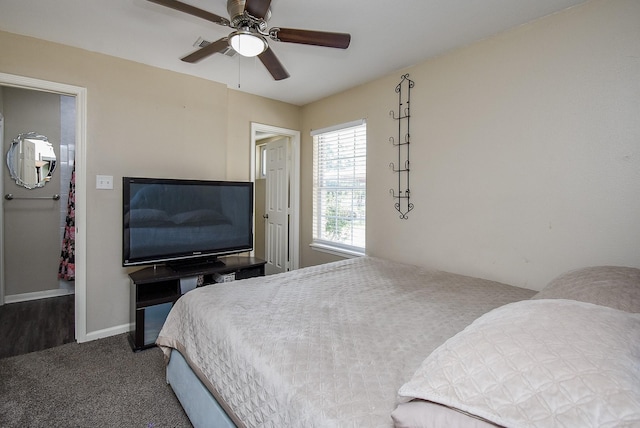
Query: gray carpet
(95,384)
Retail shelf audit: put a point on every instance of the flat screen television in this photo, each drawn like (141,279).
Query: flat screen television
(180,222)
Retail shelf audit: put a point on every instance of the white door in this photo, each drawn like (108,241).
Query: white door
(28,171)
(277,207)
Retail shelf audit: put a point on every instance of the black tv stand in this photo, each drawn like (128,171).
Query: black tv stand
(155,289)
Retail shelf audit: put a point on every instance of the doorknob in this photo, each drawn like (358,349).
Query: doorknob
(265,215)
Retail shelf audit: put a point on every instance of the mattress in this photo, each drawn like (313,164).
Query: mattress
(327,345)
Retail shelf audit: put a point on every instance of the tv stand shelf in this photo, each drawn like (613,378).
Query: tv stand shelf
(155,289)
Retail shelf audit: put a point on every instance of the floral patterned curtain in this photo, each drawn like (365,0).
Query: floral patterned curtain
(67,269)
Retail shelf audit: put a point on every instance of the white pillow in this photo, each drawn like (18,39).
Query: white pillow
(425,414)
(613,286)
(539,363)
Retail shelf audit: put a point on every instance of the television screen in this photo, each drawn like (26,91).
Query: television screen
(176,221)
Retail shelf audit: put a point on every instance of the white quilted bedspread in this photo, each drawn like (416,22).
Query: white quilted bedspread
(324,346)
(539,363)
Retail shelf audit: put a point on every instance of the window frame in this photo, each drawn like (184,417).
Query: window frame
(261,164)
(321,243)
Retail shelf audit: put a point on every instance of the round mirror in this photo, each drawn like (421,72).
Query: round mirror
(31,160)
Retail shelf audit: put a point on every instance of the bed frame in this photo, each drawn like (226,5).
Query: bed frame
(199,404)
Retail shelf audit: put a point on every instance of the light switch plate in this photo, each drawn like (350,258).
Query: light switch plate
(104,182)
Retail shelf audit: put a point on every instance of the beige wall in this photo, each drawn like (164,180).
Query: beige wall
(141,121)
(259,233)
(525,155)
(244,109)
(32,227)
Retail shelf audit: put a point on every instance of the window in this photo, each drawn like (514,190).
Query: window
(339,188)
(261,164)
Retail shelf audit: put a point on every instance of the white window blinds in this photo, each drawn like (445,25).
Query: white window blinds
(339,187)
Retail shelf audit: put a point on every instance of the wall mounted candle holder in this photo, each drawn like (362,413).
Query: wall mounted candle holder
(402,194)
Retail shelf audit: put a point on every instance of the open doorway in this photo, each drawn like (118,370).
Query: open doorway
(79,95)
(39,141)
(277,195)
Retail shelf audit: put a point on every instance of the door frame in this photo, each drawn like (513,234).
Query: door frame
(294,184)
(80,95)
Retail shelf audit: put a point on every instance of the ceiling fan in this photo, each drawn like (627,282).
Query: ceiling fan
(249,19)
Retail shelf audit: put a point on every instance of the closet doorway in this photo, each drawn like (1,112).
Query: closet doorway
(277,196)
(71,101)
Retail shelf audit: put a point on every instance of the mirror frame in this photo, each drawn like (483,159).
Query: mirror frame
(12,161)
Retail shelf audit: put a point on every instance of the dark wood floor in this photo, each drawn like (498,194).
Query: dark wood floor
(36,325)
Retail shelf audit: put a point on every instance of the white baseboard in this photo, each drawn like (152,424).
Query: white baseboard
(25,297)
(107,332)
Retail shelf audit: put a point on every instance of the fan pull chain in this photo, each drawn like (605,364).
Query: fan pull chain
(239,71)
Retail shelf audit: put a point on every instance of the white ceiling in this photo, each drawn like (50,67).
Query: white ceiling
(386,36)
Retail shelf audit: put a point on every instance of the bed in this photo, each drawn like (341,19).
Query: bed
(368,342)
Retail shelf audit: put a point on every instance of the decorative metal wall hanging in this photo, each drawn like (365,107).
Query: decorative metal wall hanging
(403,194)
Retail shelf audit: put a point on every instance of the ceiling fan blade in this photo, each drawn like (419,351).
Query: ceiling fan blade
(257,8)
(192,10)
(271,61)
(310,37)
(210,49)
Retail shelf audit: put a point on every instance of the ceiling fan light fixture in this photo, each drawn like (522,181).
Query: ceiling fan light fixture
(247,43)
